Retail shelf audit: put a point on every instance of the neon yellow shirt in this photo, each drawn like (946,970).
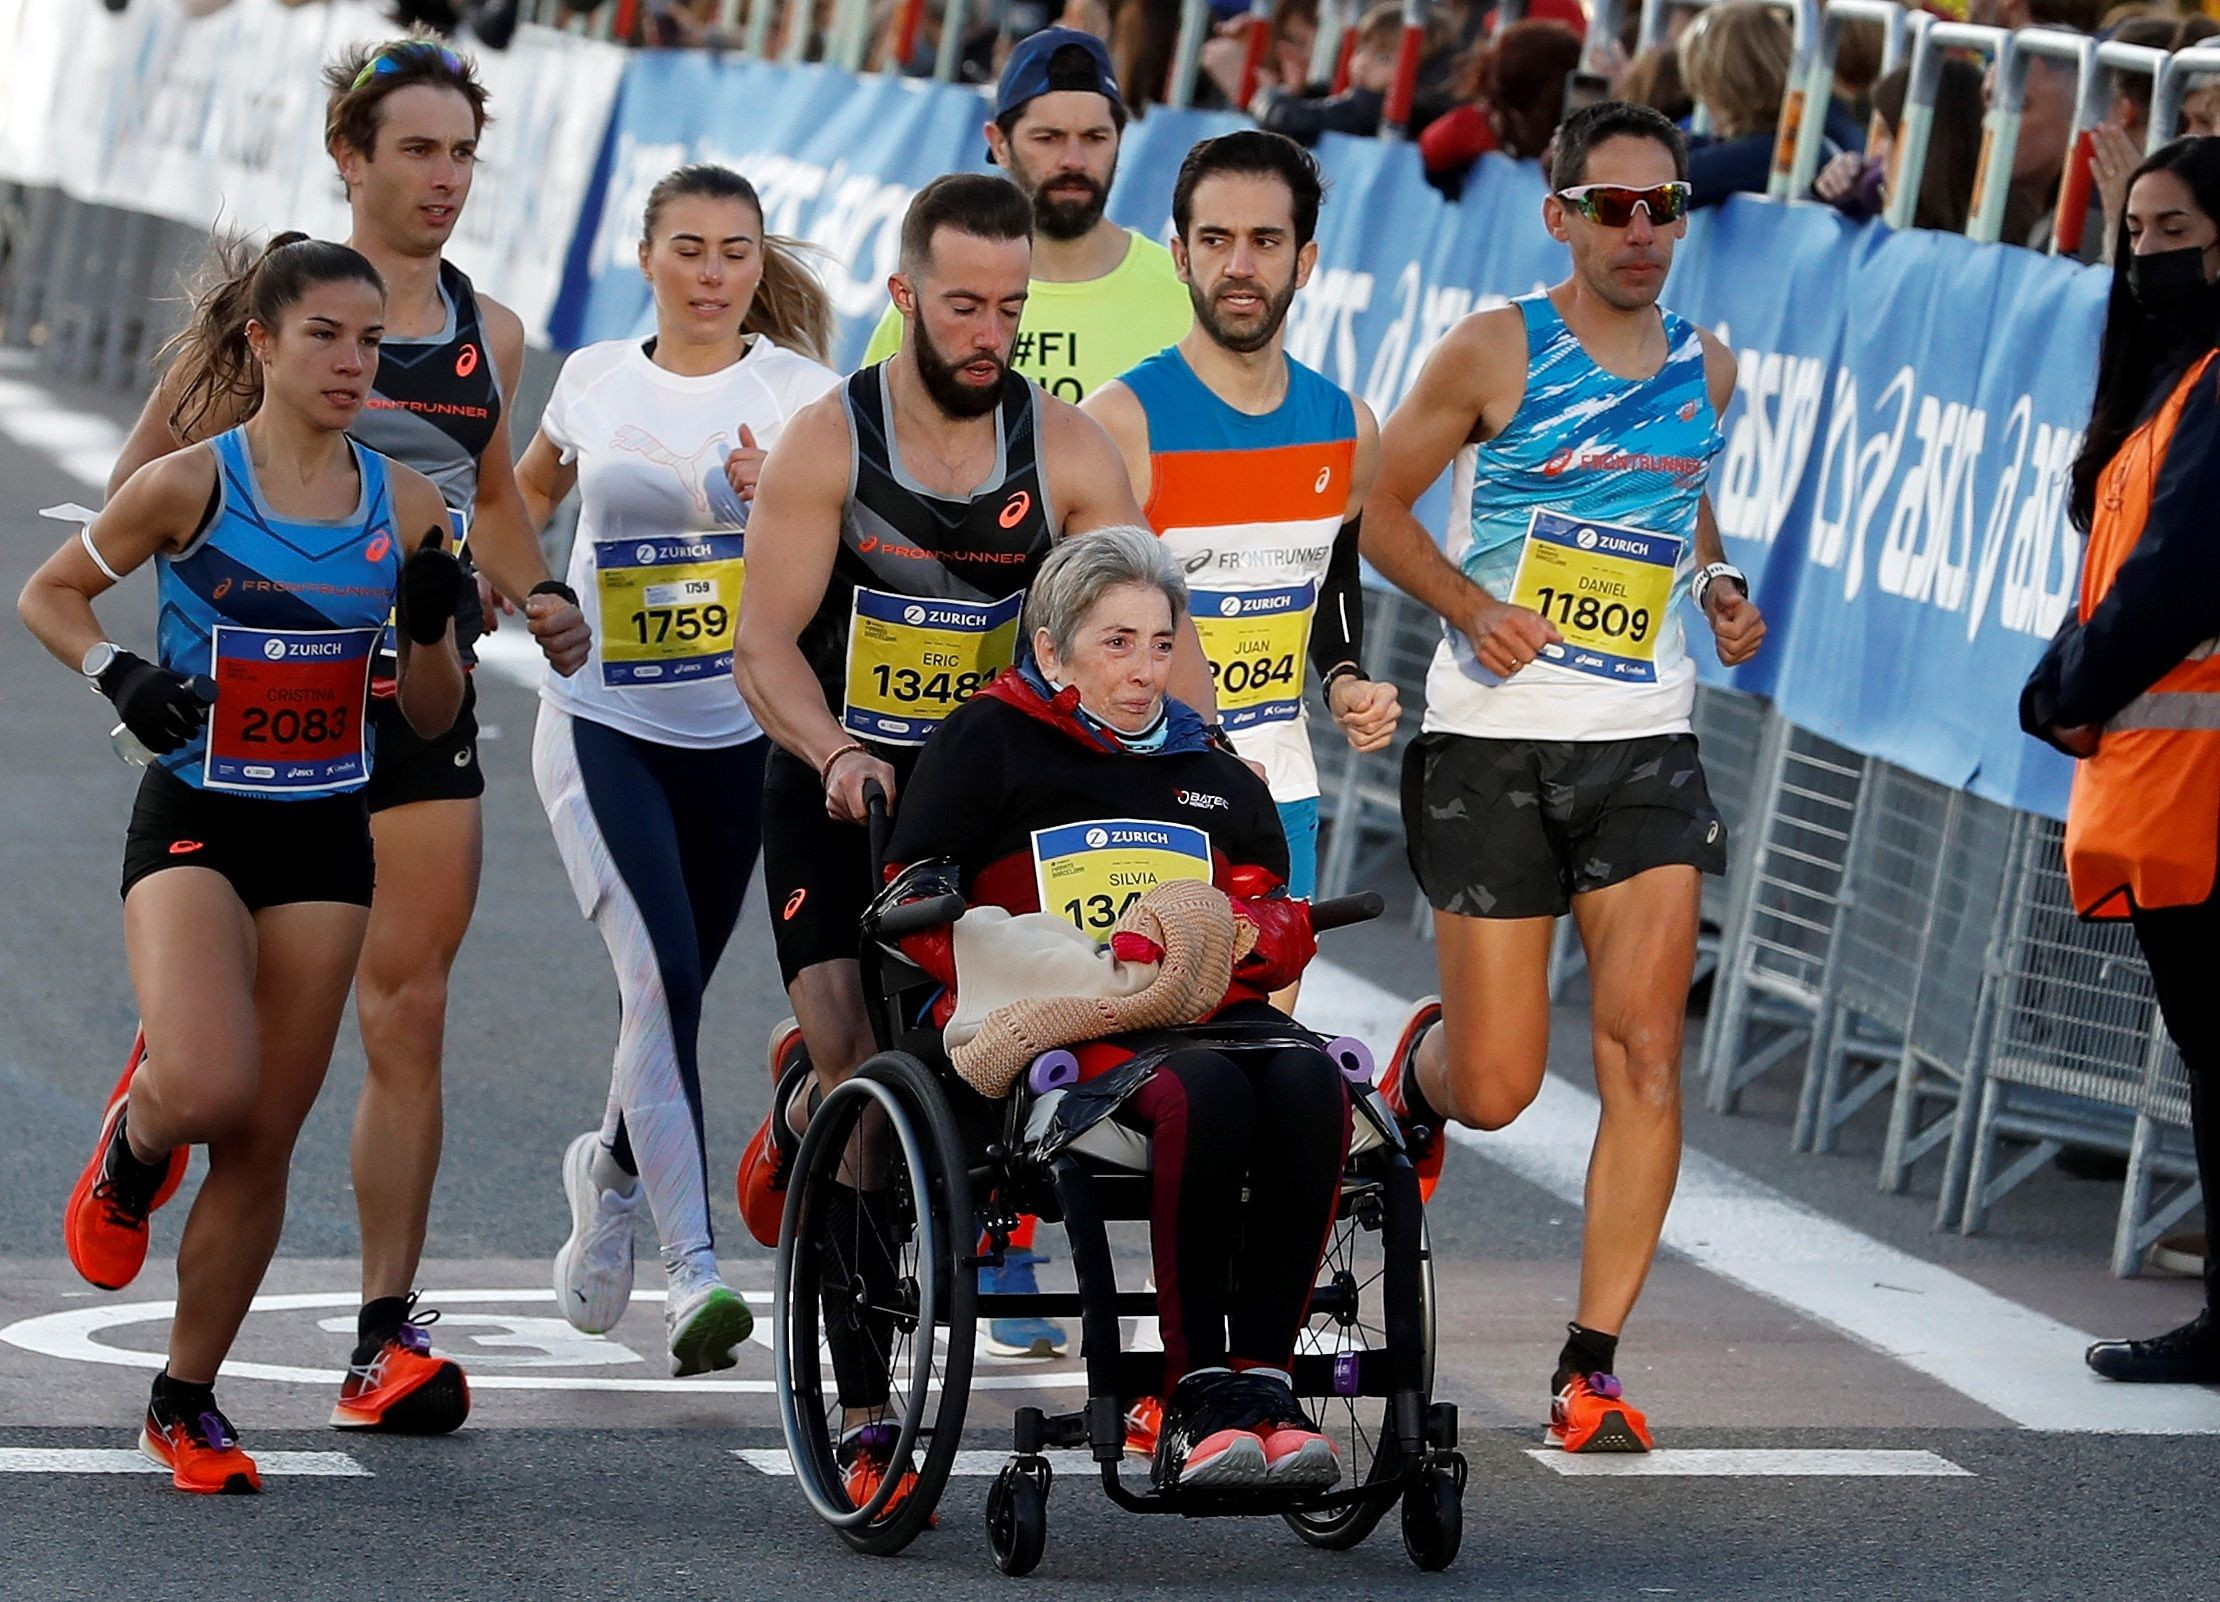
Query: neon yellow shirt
(1077,337)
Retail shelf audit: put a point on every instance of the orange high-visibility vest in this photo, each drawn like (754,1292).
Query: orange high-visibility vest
(2144,819)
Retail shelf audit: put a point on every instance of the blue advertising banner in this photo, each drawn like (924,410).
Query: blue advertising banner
(1906,406)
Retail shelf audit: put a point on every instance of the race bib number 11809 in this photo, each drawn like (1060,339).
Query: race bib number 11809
(1607,588)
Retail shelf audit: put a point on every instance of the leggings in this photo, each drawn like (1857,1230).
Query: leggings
(2178,943)
(1234,1274)
(659,841)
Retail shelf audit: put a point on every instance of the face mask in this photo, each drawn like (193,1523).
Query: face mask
(2168,283)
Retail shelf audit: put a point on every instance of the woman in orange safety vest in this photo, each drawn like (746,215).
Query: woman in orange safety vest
(2131,684)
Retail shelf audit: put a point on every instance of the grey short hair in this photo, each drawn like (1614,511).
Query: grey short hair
(1082,569)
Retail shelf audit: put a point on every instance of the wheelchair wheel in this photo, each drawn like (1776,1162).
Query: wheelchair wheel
(1434,1517)
(1356,1264)
(1017,1517)
(875,1295)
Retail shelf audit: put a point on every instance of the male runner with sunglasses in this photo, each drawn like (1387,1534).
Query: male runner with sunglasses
(1557,771)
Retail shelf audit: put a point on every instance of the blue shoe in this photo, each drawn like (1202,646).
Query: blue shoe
(1019,1337)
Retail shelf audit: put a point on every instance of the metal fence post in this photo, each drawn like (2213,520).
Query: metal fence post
(1908,161)
(2199,61)
(1194,29)
(1802,139)
(1395,116)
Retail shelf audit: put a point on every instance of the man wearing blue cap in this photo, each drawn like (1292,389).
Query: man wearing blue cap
(1102,297)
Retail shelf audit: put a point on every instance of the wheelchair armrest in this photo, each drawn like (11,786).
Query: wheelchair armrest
(915,917)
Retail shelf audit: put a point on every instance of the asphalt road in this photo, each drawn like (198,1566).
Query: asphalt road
(584,1473)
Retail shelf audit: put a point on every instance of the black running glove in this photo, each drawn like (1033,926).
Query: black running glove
(163,710)
(432,583)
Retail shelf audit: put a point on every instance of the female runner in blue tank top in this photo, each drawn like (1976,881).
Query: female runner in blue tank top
(280,546)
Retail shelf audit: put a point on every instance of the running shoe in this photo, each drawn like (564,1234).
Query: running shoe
(202,1453)
(1144,1426)
(593,1270)
(405,1389)
(1426,1144)
(1208,1441)
(706,1321)
(1019,1337)
(1592,1414)
(1297,1456)
(2186,1356)
(770,1151)
(864,1454)
(104,1224)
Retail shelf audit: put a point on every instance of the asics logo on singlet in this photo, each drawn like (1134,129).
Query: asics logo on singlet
(1203,799)
(1200,560)
(1014,510)
(466,361)
(376,550)
(1325,477)
(222,589)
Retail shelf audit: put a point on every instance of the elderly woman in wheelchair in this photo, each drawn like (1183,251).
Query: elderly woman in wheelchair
(1058,834)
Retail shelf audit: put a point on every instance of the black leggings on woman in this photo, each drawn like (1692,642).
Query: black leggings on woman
(2178,943)
(1234,1274)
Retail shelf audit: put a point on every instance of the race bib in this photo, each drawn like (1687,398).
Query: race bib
(669,607)
(1089,873)
(1256,641)
(289,709)
(912,661)
(1607,588)
(388,641)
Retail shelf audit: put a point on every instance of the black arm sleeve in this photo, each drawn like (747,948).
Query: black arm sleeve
(2165,600)
(1353,111)
(1337,632)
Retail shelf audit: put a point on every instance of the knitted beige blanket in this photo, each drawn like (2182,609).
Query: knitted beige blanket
(1028,983)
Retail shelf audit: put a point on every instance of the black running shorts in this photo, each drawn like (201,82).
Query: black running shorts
(816,869)
(273,852)
(1517,828)
(406,767)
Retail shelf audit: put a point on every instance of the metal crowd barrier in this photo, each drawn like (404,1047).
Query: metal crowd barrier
(1797,150)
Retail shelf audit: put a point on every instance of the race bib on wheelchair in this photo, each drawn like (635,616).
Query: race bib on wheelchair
(389,642)
(289,708)
(1608,589)
(1256,641)
(912,661)
(669,608)
(1089,874)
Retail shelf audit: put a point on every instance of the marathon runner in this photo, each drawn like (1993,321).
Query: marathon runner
(1557,770)
(281,547)
(402,125)
(1253,469)
(1102,297)
(898,524)
(648,763)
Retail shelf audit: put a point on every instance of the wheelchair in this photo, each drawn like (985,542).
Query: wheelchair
(907,1182)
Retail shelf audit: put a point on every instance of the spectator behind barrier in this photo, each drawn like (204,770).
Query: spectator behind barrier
(1359,108)
(1654,80)
(1735,59)
(1512,97)
(1857,184)
(2039,161)
(1286,59)
(2116,144)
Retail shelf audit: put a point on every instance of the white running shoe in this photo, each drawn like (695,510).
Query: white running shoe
(706,1320)
(593,1271)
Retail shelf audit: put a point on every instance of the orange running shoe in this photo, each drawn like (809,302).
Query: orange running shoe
(202,1453)
(1426,1144)
(863,1455)
(104,1224)
(761,1181)
(404,1390)
(1592,1414)
(1144,1422)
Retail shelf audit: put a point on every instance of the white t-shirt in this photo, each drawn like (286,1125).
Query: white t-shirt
(659,531)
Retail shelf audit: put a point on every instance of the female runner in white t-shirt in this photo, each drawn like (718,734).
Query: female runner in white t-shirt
(647,761)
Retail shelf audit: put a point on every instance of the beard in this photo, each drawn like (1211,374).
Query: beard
(1247,337)
(1068,216)
(950,393)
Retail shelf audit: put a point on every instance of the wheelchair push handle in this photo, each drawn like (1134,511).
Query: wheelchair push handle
(1342,911)
(879,821)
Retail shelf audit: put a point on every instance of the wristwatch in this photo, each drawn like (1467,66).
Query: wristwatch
(99,660)
(1710,575)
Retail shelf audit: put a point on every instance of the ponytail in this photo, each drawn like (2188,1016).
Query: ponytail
(791,307)
(213,371)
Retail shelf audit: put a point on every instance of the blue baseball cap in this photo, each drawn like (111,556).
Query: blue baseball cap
(1027,75)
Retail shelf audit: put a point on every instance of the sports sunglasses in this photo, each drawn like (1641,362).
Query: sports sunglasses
(1612,205)
(405,53)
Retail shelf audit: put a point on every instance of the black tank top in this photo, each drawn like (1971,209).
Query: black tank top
(436,407)
(898,538)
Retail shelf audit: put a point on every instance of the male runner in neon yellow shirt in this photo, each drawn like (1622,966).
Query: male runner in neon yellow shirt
(1102,297)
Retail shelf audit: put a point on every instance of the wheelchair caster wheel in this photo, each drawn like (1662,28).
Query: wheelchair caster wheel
(1434,1515)
(1017,1516)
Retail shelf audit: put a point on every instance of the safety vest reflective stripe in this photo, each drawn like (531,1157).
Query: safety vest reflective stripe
(2169,709)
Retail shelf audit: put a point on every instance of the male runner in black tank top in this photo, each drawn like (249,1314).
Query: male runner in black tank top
(897,524)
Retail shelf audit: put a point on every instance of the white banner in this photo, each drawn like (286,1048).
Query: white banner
(218,121)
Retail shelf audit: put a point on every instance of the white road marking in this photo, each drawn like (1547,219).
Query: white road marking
(970,1464)
(2010,1359)
(70,1335)
(1740,1462)
(82,444)
(121,1460)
